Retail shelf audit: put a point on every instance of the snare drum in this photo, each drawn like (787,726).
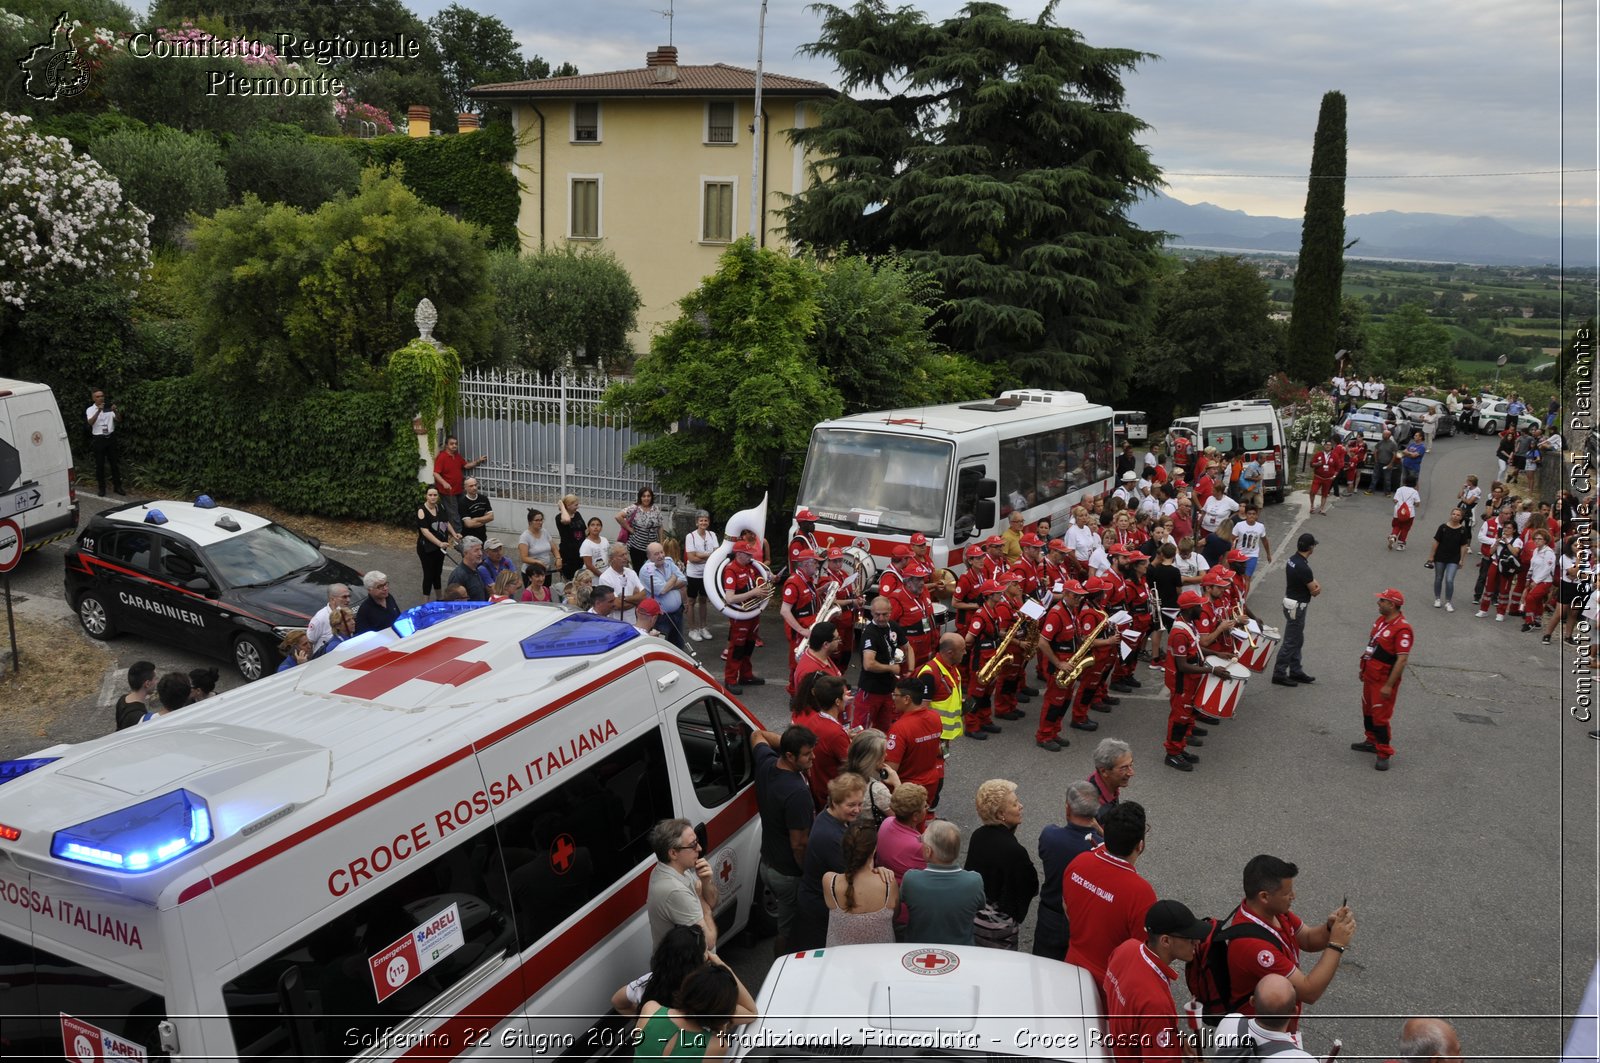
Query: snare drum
(1258,657)
(1218,696)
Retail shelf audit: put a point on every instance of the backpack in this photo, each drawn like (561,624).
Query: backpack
(1403,511)
(994,929)
(1207,974)
(1249,1048)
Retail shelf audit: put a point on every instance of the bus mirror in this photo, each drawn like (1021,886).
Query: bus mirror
(986,511)
(988,489)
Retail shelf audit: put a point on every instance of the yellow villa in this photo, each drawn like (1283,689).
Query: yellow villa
(655,165)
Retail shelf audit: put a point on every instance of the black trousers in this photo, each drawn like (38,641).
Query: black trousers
(105,450)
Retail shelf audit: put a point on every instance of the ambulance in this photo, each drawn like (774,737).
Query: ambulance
(431,845)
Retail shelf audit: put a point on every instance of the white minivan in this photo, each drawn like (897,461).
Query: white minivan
(38,484)
(430,846)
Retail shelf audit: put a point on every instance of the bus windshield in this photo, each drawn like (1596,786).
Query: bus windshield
(876,482)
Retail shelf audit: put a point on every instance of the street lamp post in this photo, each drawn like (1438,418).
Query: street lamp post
(756,220)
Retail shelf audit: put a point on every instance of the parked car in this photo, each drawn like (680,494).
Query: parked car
(1418,408)
(1492,418)
(1368,428)
(1397,418)
(211,579)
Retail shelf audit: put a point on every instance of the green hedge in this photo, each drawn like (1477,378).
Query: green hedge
(340,454)
(466,175)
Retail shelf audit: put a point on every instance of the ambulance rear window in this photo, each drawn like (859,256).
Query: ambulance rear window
(38,988)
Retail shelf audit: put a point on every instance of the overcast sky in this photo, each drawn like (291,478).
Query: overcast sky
(1435,88)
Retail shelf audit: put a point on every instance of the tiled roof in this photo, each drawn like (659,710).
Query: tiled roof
(718,77)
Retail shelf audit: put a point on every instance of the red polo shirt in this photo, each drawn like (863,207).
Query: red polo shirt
(1105,900)
(1249,959)
(453,467)
(1140,1021)
(833,749)
(914,747)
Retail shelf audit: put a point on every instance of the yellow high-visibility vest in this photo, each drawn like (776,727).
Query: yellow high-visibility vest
(949,709)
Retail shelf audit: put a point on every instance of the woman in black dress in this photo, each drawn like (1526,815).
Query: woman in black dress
(1010,880)
(435,533)
(570,530)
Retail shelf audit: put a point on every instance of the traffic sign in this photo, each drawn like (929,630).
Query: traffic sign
(10,545)
(20,500)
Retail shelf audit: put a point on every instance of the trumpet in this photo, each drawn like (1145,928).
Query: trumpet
(1080,658)
(1002,656)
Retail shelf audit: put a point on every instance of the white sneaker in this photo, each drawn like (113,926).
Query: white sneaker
(1481,613)
(1437,603)
(702,634)
(1500,618)
(1449,607)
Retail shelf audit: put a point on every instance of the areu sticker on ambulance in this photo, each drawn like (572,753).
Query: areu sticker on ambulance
(84,1042)
(407,959)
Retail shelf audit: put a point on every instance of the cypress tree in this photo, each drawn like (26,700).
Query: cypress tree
(1318,282)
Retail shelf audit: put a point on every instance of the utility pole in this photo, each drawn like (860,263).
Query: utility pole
(756,220)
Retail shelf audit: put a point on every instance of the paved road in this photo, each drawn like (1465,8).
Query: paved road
(1470,865)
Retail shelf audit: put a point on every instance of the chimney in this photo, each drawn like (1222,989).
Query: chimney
(664,61)
(467,122)
(418,121)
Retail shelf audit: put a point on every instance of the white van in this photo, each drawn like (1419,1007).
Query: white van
(38,484)
(424,847)
(1250,426)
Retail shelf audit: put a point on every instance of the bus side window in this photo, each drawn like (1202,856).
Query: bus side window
(716,743)
(342,1014)
(968,495)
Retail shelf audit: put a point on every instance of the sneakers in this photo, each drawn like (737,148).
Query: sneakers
(1051,745)
(1195,742)
(1449,607)
(1084,725)
(1545,640)
(1481,613)
(1438,603)
(1499,618)
(1400,544)
(1526,627)
(1391,542)
(1177,761)
(1105,704)
(1205,717)
(1192,758)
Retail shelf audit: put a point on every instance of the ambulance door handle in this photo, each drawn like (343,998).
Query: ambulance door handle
(668,679)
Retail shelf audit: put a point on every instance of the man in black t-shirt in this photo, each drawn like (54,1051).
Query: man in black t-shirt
(476,512)
(881,638)
(131,707)
(783,798)
(1299,588)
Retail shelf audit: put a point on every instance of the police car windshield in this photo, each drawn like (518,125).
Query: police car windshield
(263,556)
(873,481)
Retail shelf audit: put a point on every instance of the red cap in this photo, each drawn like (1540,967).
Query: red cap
(1031,540)
(742,546)
(900,550)
(1058,544)
(1217,577)
(988,587)
(835,553)
(1094,585)
(974,551)
(1391,595)
(916,570)
(993,540)
(918,539)
(805,553)
(1188,598)
(1008,577)
(1238,555)
(1072,586)
(650,607)
(1116,550)
(804,514)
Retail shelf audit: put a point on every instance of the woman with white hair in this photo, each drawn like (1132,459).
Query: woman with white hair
(1009,879)
(380,609)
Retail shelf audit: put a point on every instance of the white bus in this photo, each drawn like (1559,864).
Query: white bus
(954,473)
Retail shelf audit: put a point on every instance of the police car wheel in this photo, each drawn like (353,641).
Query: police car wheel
(95,617)
(252,657)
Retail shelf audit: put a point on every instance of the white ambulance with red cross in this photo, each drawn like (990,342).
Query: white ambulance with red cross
(425,847)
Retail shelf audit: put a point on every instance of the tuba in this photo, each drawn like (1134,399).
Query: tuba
(753,519)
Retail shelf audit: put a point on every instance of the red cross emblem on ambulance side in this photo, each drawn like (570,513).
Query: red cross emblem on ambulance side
(561,854)
(440,662)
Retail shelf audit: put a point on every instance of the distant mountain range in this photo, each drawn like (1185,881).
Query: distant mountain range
(1387,234)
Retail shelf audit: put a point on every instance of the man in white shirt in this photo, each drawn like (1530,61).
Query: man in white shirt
(1266,1033)
(320,630)
(102,419)
(1127,491)
(1372,389)
(1082,538)
(622,580)
(1190,562)
(1147,507)
(1407,505)
(1249,537)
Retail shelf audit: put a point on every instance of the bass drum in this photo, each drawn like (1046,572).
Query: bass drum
(754,519)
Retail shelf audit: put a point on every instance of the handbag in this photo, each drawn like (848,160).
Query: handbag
(994,929)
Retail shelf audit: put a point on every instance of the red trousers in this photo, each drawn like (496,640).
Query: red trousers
(1319,486)
(741,646)
(1401,528)
(1377,709)
(1092,683)
(1057,699)
(1180,716)
(1497,592)
(873,710)
(1533,602)
(999,697)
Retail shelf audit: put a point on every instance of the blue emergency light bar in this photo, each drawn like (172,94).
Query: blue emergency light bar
(421,617)
(16,769)
(140,837)
(577,635)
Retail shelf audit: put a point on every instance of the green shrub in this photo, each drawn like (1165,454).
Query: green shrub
(465,175)
(551,303)
(293,169)
(165,172)
(174,92)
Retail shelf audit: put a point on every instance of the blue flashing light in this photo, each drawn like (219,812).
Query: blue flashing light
(421,617)
(577,635)
(140,837)
(204,502)
(155,516)
(16,769)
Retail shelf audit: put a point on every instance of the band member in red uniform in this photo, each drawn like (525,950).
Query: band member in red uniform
(742,583)
(920,552)
(799,608)
(1091,692)
(1324,467)
(1057,568)
(1185,666)
(984,631)
(967,600)
(913,612)
(1382,665)
(1011,681)
(894,576)
(849,599)
(1058,640)
(806,537)
(1028,569)
(1136,600)
(995,548)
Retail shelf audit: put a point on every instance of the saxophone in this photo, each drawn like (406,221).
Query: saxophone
(991,668)
(1081,657)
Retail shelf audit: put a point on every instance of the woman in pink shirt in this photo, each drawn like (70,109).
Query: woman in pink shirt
(900,836)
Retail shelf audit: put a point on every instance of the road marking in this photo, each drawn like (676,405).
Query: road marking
(114,685)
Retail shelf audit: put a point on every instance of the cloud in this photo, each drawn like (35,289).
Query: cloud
(1435,87)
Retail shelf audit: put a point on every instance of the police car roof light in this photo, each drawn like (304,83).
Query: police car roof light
(155,516)
(16,769)
(578,635)
(138,838)
(204,502)
(421,617)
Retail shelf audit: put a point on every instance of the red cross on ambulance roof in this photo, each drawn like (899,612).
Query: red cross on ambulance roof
(439,662)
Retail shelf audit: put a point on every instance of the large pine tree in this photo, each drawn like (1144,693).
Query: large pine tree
(1319,280)
(1003,166)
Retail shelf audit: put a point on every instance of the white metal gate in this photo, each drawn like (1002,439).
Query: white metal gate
(545,436)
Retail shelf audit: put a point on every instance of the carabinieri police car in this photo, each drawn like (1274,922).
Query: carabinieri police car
(215,580)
